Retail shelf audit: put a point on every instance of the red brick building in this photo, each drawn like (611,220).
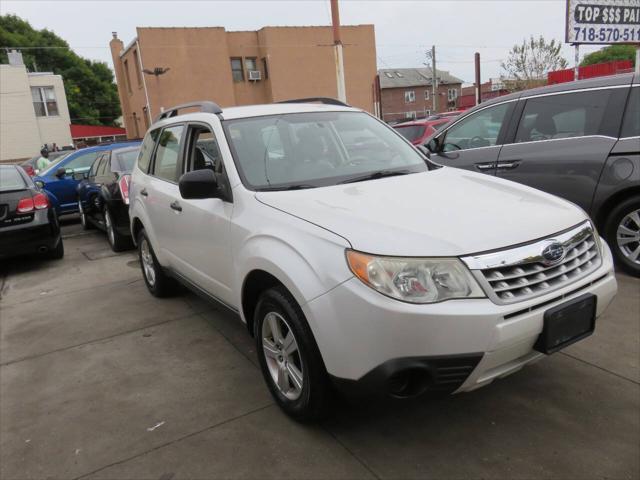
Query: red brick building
(407,93)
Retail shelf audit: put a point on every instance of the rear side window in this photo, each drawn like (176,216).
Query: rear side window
(125,160)
(563,116)
(144,157)
(412,132)
(166,158)
(631,122)
(10,179)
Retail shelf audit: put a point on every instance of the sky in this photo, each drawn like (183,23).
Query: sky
(404,29)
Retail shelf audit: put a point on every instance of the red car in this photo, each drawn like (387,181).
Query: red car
(417,131)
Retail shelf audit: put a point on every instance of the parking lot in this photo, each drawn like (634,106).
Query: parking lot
(99,379)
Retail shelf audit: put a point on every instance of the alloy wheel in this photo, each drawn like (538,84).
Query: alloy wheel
(628,236)
(83,217)
(148,266)
(109,225)
(282,355)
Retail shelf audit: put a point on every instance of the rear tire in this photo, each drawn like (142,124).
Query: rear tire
(158,283)
(289,358)
(117,241)
(84,221)
(622,232)
(58,252)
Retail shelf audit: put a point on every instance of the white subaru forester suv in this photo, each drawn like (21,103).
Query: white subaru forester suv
(354,261)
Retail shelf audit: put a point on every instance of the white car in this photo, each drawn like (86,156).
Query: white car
(353,260)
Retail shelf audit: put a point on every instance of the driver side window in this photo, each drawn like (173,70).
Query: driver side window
(478,130)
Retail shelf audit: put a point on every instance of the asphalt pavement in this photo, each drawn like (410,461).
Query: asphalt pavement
(98,379)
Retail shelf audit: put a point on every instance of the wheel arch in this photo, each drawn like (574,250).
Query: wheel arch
(256,282)
(611,202)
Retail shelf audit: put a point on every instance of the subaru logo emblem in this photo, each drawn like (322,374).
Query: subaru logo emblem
(553,253)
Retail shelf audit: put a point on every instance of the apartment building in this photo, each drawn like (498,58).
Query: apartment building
(33,111)
(163,67)
(407,93)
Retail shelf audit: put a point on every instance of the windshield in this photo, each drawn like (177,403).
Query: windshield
(411,132)
(10,179)
(304,150)
(127,159)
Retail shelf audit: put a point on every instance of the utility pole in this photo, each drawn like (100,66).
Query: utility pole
(434,79)
(337,46)
(638,59)
(478,84)
(576,71)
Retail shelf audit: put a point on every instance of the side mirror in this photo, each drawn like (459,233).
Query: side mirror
(433,145)
(199,184)
(61,172)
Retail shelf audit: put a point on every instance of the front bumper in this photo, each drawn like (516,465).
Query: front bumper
(363,335)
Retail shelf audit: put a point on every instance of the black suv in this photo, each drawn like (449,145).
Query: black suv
(578,140)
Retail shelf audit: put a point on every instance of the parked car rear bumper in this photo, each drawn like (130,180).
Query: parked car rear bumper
(38,236)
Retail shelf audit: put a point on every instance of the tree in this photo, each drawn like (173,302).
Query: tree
(528,64)
(610,54)
(92,95)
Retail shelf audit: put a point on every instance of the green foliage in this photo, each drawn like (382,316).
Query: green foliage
(92,95)
(528,64)
(609,54)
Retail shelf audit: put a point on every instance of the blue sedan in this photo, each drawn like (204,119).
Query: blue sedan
(60,180)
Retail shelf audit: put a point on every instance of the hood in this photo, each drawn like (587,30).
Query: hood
(444,212)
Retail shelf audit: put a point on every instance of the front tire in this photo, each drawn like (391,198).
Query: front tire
(158,283)
(289,357)
(622,232)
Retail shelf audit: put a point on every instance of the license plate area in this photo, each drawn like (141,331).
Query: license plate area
(567,323)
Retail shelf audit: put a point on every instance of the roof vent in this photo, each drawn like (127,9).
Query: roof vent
(15,58)
(399,75)
(388,74)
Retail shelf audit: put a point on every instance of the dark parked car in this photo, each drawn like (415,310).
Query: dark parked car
(103,196)
(60,180)
(578,140)
(29,166)
(28,222)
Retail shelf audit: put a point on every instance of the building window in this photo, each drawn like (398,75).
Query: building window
(410,115)
(264,67)
(236,70)
(426,94)
(452,94)
(44,101)
(250,64)
(409,96)
(427,112)
(137,68)
(127,77)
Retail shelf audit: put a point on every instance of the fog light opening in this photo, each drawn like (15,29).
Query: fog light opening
(409,383)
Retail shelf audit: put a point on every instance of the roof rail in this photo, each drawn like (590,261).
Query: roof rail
(325,100)
(205,107)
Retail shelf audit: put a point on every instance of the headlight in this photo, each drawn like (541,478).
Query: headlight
(415,280)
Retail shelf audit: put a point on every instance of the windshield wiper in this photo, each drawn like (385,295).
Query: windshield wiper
(300,186)
(378,174)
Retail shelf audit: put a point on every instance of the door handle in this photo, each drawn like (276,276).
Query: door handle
(176,206)
(485,166)
(143,192)
(509,165)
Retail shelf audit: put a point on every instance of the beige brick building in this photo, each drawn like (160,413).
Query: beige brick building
(238,68)
(33,111)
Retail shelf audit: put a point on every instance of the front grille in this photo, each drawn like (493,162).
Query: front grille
(522,273)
